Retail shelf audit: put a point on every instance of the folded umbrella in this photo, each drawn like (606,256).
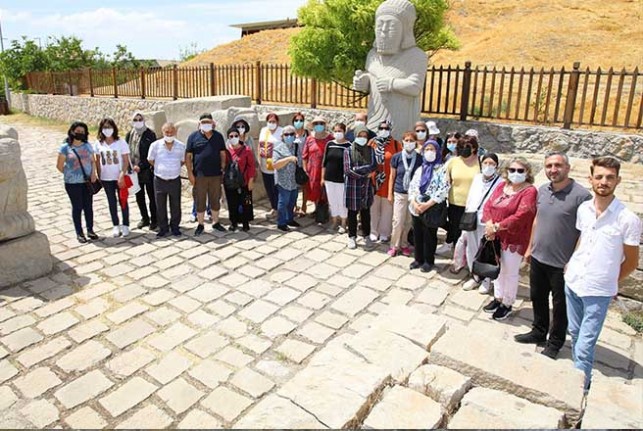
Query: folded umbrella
(123,193)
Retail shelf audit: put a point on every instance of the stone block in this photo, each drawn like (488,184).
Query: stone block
(129,333)
(83,357)
(172,337)
(82,389)
(7,370)
(150,417)
(441,384)
(233,357)
(24,258)
(40,413)
(207,344)
(210,373)
(354,301)
(86,418)
(488,408)
(192,108)
(226,403)
(46,350)
(154,120)
(127,396)
(171,366)
(7,397)
(277,326)
(20,339)
(403,408)
(198,419)
(276,412)
(252,382)
(614,403)
(128,363)
(422,329)
(37,382)
(295,350)
(87,330)
(180,395)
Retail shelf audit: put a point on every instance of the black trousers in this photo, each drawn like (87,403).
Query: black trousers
(164,190)
(544,279)
(454,214)
(365,218)
(147,187)
(240,208)
(426,241)
(81,202)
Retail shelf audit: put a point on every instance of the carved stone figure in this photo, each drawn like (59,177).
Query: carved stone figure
(395,69)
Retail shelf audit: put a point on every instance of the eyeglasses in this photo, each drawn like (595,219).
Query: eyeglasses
(138,119)
(288,134)
(513,170)
(420,130)
(383,128)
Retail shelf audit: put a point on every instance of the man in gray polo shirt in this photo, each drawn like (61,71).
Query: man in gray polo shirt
(553,240)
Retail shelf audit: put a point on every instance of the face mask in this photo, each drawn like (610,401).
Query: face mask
(409,146)
(138,124)
(361,141)
(360,123)
(466,152)
(233,141)
(205,128)
(421,135)
(272,126)
(168,139)
(82,137)
(319,128)
(488,170)
(383,133)
(298,124)
(241,130)
(289,140)
(338,136)
(108,132)
(517,178)
(429,156)
(452,147)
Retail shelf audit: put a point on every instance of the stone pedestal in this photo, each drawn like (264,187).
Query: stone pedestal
(24,258)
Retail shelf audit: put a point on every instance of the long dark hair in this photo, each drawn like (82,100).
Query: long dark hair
(110,123)
(445,149)
(70,133)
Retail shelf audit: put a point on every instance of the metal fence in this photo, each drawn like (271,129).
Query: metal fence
(552,97)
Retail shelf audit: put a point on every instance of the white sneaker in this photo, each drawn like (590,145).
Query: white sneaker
(116,232)
(125,230)
(352,244)
(485,287)
(192,219)
(444,249)
(341,230)
(384,239)
(372,237)
(209,218)
(470,284)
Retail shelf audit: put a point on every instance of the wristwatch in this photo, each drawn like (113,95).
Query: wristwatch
(495,227)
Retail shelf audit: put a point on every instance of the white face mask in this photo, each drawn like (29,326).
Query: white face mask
(421,135)
(361,141)
(429,156)
(488,170)
(360,123)
(206,127)
(272,126)
(108,132)
(168,139)
(233,141)
(383,133)
(517,178)
(409,146)
(338,136)
(241,130)
(138,124)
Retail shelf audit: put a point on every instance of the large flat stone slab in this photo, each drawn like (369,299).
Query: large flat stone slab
(24,258)
(193,108)
(403,408)
(277,413)
(407,322)
(614,403)
(508,366)
(444,385)
(488,408)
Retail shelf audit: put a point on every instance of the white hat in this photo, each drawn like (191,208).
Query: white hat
(433,128)
(471,132)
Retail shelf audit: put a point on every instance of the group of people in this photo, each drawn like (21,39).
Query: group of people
(397,192)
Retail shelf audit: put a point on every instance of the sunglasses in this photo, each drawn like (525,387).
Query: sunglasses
(319,124)
(420,130)
(233,136)
(289,134)
(383,128)
(513,170)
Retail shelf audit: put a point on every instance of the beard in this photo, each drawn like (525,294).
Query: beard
(603,192)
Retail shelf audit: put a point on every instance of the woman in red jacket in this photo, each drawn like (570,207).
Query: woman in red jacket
(508,215)
(240,207)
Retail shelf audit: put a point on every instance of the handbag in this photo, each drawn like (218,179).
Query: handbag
(322,210)
(469,220)
(435,216)
(487,261)
(94,187)
(301,177)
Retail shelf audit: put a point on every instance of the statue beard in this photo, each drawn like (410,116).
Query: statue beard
(386,49)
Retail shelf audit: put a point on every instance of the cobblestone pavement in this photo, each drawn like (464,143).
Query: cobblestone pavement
(268,329)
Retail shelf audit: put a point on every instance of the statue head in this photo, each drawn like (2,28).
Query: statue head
(394,23)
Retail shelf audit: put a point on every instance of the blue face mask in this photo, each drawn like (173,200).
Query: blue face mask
(298,124)
(289,140)
(319,128)
(452,147)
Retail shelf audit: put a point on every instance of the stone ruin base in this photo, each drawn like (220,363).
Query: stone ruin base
(24,258)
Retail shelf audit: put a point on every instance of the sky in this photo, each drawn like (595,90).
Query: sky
(149,28)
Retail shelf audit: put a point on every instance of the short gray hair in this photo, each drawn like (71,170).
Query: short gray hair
(557,153)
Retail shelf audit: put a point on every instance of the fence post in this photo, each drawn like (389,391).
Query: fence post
(71,89)
(175,82)
(313,93)
(114,82)
(258,79)
(91,83)
(143,89)
(570,100)
(53,82)
(213,82)
(466,90)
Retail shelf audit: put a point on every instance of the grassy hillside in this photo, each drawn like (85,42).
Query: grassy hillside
(503,33)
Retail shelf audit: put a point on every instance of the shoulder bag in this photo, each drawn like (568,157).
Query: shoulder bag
(435,216)
(94,187)
(301,177)
(486,264)
(469,220)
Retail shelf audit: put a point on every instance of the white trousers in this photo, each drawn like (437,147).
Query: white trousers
(381,217)
(336,202)
(401,220)
(472,241)
(506,285)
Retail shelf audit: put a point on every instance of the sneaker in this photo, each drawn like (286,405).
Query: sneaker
(162,233)
(341,230)
(293,223)
(531,337)
(470,284)
(392,252)
(492,306)
(125,230)
(485,287)
(372,237)
(283,227)
(233,228)
(154,226)
(385,239)
(271,214)
(352,243)
(406,251)
(368,243)
(143,223)
(192,218)
(426,267)
(501,313)
(116,232)
(81,238)
(91,235)
(176,232)
(444,249)
(414,265)
(550,351)
(218,226)
(199,230)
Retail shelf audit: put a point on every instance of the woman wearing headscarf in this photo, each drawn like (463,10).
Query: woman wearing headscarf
(428,187)
(243,128)
(139,140)
(359,164)
(301,134)
(422,134)
(333,176)
(269,136)
(240,209)
(312,157)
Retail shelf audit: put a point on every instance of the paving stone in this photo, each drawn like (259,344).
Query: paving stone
(127,293)
(213,272)
(459,313)
(321,271)
(234,357)
(488,408)
(180,395)
(518,370)
(208,292)
(268,263)
(432,296)
(171,337)
(226,403)
(362,322)
(406,409)
(232,327)
(329,289)
(130,333)
(20,339)
(471,300)
(198,419)
(7,370)
(221,308)
(282,276)
(154,281)
(275,412)
(613,403)
(127,396)
(40,413)
(93,308)
(86,418)
(207,344)
(274,369)
(150,417)
(37,382)
(411,282)
(159,297)
(295,350)
(7,397)
(83,389)
(442,384)
(397,296)
(185,304)
(314,300)
(210,373)
(409,323)
(87,330)
(5,314)
(171,366)
(55,307)
(258,311)
(163,316)
(128,363)
(256,288)
(296,313)
(277,326)
(18,322)
(302,282)
(126,312)
(27,304)
(354,301)
(234,280)
(282,295)
(356,270)
(252,382)
(315,332)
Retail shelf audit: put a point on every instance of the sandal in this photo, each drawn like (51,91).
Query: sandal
(454,270)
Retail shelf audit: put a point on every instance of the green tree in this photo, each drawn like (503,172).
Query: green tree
(23,56)
(338,34)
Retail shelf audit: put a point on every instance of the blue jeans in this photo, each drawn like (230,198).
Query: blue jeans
(111,190)
(285,205)
(586,315)
(81,202)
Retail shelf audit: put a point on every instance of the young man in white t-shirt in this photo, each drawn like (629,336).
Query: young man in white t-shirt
(607,252)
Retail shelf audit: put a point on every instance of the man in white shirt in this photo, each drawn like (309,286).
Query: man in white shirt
(167,155)
(607,252)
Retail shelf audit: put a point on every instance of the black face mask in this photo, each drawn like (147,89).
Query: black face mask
(82,137)
(466,152)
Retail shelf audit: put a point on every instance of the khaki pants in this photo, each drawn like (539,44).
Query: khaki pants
(401,220)
(381,218)
(207,187)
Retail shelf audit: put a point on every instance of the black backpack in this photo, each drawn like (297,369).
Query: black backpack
(233,177)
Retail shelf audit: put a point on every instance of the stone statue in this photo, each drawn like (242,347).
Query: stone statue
(395,69)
